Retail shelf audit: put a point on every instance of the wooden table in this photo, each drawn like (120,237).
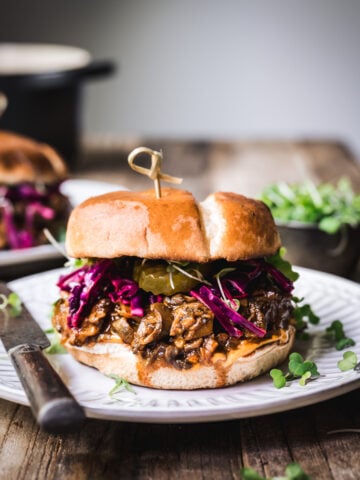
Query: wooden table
(211,451)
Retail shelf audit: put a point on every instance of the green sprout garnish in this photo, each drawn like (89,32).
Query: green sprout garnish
(329,206)
(283,265)
(304,313)
(55,243)
(180,267)
(78,262)
(234,304)
(49,330)
(120,384)
(56,348)
(304,378)
(336,333)
(348,362)
(11,303)
(299,368)
(279,379)
(292,472)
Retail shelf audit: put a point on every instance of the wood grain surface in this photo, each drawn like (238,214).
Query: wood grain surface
(211,451)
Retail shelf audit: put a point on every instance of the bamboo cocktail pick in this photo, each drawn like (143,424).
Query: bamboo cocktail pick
(154,172)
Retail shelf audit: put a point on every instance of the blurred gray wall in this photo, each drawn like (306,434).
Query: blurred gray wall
(221,69)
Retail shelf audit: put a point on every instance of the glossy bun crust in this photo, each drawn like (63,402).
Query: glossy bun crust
(25,160)
(118,359)
(174,227)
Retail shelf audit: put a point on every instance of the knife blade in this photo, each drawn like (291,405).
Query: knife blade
(54,407)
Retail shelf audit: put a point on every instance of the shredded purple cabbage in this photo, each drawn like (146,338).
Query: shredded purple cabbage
(88,283)
(226,315)
(136,306)
(156,298)
(279,277)
(35,199)
(235,286)
(261,265)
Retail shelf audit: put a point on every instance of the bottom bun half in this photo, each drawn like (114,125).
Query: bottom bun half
(118,359)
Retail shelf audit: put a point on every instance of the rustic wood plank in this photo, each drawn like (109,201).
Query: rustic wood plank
(302,440)
(266,443)
(8,411)
(329,161)
(342,450)
(213,451)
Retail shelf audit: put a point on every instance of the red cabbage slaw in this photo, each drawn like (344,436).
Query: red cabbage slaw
(104,280)
(35,199)
(87,283)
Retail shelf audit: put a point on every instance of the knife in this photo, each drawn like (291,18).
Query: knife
(52,404)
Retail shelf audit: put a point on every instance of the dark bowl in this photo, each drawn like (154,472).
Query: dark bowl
(46,103)
(308,246)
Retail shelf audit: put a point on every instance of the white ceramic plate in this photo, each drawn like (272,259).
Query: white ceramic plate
(76,190)
(331,297)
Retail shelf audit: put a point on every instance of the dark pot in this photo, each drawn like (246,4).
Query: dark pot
(46,104)
(310,247)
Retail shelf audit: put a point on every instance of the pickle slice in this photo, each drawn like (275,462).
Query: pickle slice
(160,277)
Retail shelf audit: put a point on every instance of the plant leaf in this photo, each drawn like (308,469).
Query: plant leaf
(348,361)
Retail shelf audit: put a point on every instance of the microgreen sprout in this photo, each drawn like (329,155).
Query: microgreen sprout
(11,304)
(56,348)
(301,369)
(49,330)
(170,270)
(329,206)
(198,275)
(231,303)
(303,315)
(292,472)
(50,237)
(348,362)
(285,267)
(76,263)
(278,377)
(120,384)
(336,333)
(71,262)
(304,378)
(298,367)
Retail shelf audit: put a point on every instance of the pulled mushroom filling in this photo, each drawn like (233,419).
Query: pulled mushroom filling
(105,301)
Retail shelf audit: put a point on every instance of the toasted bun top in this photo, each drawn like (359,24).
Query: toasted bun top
(173,227)
(25,160)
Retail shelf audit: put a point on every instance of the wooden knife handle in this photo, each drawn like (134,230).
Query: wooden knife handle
(53,406)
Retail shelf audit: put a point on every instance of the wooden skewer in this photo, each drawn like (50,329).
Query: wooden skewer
(154,172)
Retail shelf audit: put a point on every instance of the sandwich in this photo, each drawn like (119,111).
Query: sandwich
(171,293)
(30,199)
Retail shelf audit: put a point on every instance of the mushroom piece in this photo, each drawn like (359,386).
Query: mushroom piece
(92,324)
(192,320)
(149,330)
(123,329)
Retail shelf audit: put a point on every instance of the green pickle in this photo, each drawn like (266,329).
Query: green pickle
(154,276)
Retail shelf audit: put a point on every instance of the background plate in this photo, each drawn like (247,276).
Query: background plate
(76,190)
(331,298)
